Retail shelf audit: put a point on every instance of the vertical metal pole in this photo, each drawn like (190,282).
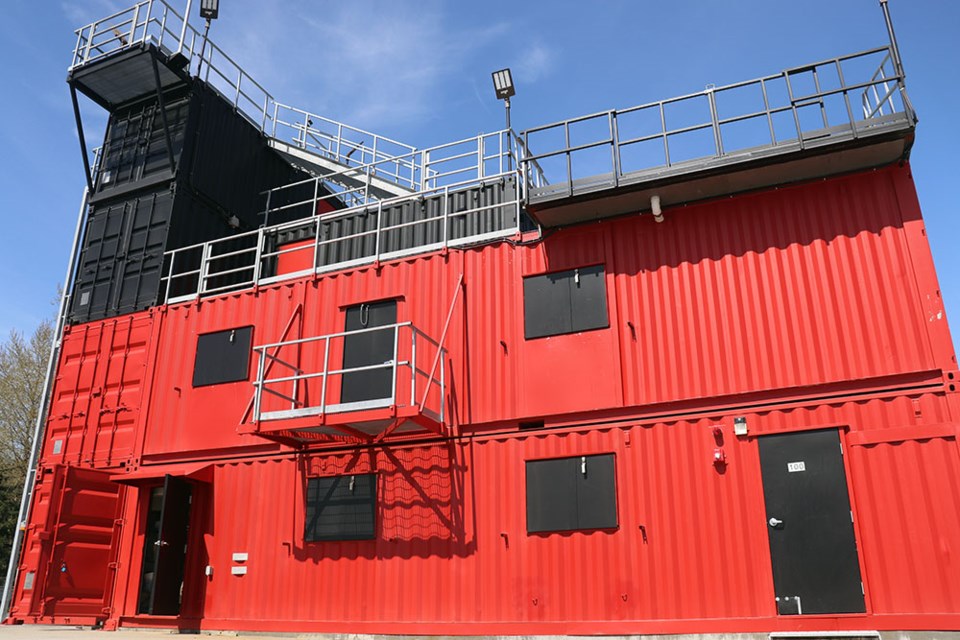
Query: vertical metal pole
(566,133)
(133,25)
(663,131)
(479,157)
(413,365)
(258,257)
(323,385)
(204,267)
(715,121)
(506,105)
(894,46)
(615,147)
(846,100)
(446,216)
(376,241)
(443,381)
(93,32)
(793,108)
(183,28)
(396,344)
(823,107)
(27,496)
(173,257)
(163,28)
(317,226)
(262,352)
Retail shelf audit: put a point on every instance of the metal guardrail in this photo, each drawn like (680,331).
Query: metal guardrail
(447,166)
(801,107)
(285,387)
(349,146)
(245,259)
(158,23)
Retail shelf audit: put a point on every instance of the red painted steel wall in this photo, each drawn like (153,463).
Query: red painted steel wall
(69,546)
(452,545)
(789,288)
(811,306)
(98,393)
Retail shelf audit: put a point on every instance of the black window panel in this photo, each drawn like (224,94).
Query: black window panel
(570,494)
(596,493)
(546,305)
(552,495)
(565,302)
(223,356)
(366,349)
(341,508)
(588,295)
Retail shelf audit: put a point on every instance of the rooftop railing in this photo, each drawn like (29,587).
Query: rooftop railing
(154,22)
(839,99)
(451,212)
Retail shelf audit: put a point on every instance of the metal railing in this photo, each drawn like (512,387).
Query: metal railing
(346,145)
(299,378)
(156,22)
(448,219)
(447,166)
(798,108)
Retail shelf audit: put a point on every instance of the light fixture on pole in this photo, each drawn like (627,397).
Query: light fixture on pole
(209,10)
(503,85)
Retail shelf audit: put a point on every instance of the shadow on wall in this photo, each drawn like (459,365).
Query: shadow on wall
(421,502)
(798,215)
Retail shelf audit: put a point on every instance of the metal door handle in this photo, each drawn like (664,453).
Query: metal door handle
(774,522)
(161,543)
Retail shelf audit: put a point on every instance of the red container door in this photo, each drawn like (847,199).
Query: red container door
(79,579)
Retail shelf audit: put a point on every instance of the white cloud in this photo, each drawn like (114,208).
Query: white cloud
(536,62)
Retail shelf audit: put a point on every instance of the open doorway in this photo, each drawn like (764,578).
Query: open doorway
(165,547)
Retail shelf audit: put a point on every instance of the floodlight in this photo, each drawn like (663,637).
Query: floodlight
(503,84)
(209,9)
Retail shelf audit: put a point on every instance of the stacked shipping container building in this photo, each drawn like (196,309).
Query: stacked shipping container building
(310,379)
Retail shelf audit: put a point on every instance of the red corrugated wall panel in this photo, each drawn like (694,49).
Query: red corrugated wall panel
(795,287)
(909,511)
(792,287)
(97,395)
(813,306)
(691,544)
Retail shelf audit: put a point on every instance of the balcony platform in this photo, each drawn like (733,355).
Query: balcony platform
(826,152)
(365,424)
(126,75)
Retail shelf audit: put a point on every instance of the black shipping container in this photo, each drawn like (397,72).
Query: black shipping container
(353,236)
(142,207)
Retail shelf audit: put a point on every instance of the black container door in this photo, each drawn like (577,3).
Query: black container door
(809,522)
(369,348)
(170,510)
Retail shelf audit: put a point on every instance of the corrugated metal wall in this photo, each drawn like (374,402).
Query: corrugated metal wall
(813,306)
(99,393)
(691,543)
(787,289)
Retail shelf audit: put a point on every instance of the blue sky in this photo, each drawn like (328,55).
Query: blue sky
(419,72)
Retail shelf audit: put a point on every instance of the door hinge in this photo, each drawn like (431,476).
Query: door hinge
(862,592)
(851,515)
